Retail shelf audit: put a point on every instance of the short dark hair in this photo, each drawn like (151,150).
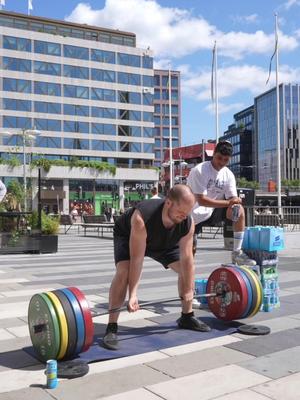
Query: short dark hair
(224,147)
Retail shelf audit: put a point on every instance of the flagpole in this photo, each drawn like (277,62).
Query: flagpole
(278,123)
(170,131)
(216,93)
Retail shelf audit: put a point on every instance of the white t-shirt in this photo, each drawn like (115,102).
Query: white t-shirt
(204,179)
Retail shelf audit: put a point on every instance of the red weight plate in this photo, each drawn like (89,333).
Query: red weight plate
(233,304)
(87,316)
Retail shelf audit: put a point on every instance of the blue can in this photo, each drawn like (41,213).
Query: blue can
(235,212)
(51,373)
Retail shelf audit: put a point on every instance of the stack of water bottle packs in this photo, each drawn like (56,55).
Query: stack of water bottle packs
(262,243)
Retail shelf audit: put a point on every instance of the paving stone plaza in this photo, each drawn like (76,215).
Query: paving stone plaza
(227,367)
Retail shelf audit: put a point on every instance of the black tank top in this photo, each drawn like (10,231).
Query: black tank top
(159,238)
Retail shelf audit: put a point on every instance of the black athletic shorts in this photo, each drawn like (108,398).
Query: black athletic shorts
(218,215)
(121,252)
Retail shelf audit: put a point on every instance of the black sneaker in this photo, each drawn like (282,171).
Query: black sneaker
(193,324)
(110,340)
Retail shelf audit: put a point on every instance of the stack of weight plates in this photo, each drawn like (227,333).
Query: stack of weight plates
(241,293)
(60,324)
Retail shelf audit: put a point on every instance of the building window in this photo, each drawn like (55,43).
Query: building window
(47,124)
(16,64)
(48,142)
(149,148)
(104,145)
(129,79)
(16,85)
(103,94)
(82,53)
(76,126)
(134,131)
(16,122)
(45,107)
(103,75)
(80,92)
(73,71)
(148,81)
(103,112)
(129,97)
(41,67)
(47,88)
(148,132)
(129,59)
(103,129)
(16,105)
(103,56)
(53,49)
(147,62)
(75,109)
(78,144)
(14,43)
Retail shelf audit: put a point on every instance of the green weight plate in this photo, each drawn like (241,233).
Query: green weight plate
(43,327)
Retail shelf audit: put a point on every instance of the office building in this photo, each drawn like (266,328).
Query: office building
(241,135)
(266,134)
(89,91)
(162,113)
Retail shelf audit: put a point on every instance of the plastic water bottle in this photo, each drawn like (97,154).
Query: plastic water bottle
(51,372)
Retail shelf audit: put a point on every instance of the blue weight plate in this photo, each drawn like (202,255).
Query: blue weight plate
(249,289)
(79,320)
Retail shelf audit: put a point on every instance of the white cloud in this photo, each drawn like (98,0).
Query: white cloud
(290,3)
(224,108)
(248,19)
(174,32)
(235,80)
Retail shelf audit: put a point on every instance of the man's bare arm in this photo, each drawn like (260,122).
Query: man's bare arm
(137,247)
(187,266)
(205,201)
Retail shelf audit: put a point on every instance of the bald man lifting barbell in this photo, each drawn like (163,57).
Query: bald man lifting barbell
(163,230)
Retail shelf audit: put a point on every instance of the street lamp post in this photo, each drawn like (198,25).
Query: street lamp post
(170,164)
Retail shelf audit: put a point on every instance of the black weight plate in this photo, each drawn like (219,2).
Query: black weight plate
(72,369)
(71,322)
(256,330)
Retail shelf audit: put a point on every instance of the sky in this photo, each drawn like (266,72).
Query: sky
(181,34)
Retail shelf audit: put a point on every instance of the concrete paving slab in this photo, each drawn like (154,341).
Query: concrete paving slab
(203,385)
(5,335)
(192,363)
(276,325)
(20,331)
(247,394)
(15,379)
(138,394)
(15,360)
(110,383)
(125,362)
(26,293)
(14,344)
(276,365)
(263,345)
(287,388)
(205,344)
(27,394)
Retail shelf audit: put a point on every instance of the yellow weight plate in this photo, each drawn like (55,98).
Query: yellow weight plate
(259,292)
(62,324)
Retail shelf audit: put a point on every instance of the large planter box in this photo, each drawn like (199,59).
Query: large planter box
(10,244)
(48,243)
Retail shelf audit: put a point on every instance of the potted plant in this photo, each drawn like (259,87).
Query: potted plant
(48,237)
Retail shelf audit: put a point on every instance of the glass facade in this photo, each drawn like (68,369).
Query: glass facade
(267,133)
(162,113)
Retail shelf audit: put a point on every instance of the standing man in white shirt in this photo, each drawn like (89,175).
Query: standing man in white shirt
(214,186)
(2,191)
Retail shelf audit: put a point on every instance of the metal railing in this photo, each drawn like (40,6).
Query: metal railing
(269,216)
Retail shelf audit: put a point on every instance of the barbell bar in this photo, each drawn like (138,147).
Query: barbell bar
(61,322)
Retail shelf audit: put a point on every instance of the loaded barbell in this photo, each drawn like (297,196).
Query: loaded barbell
(61,322)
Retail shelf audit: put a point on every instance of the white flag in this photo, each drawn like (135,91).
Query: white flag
(213,67)
(30,5)
(2,3)
(275,51)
